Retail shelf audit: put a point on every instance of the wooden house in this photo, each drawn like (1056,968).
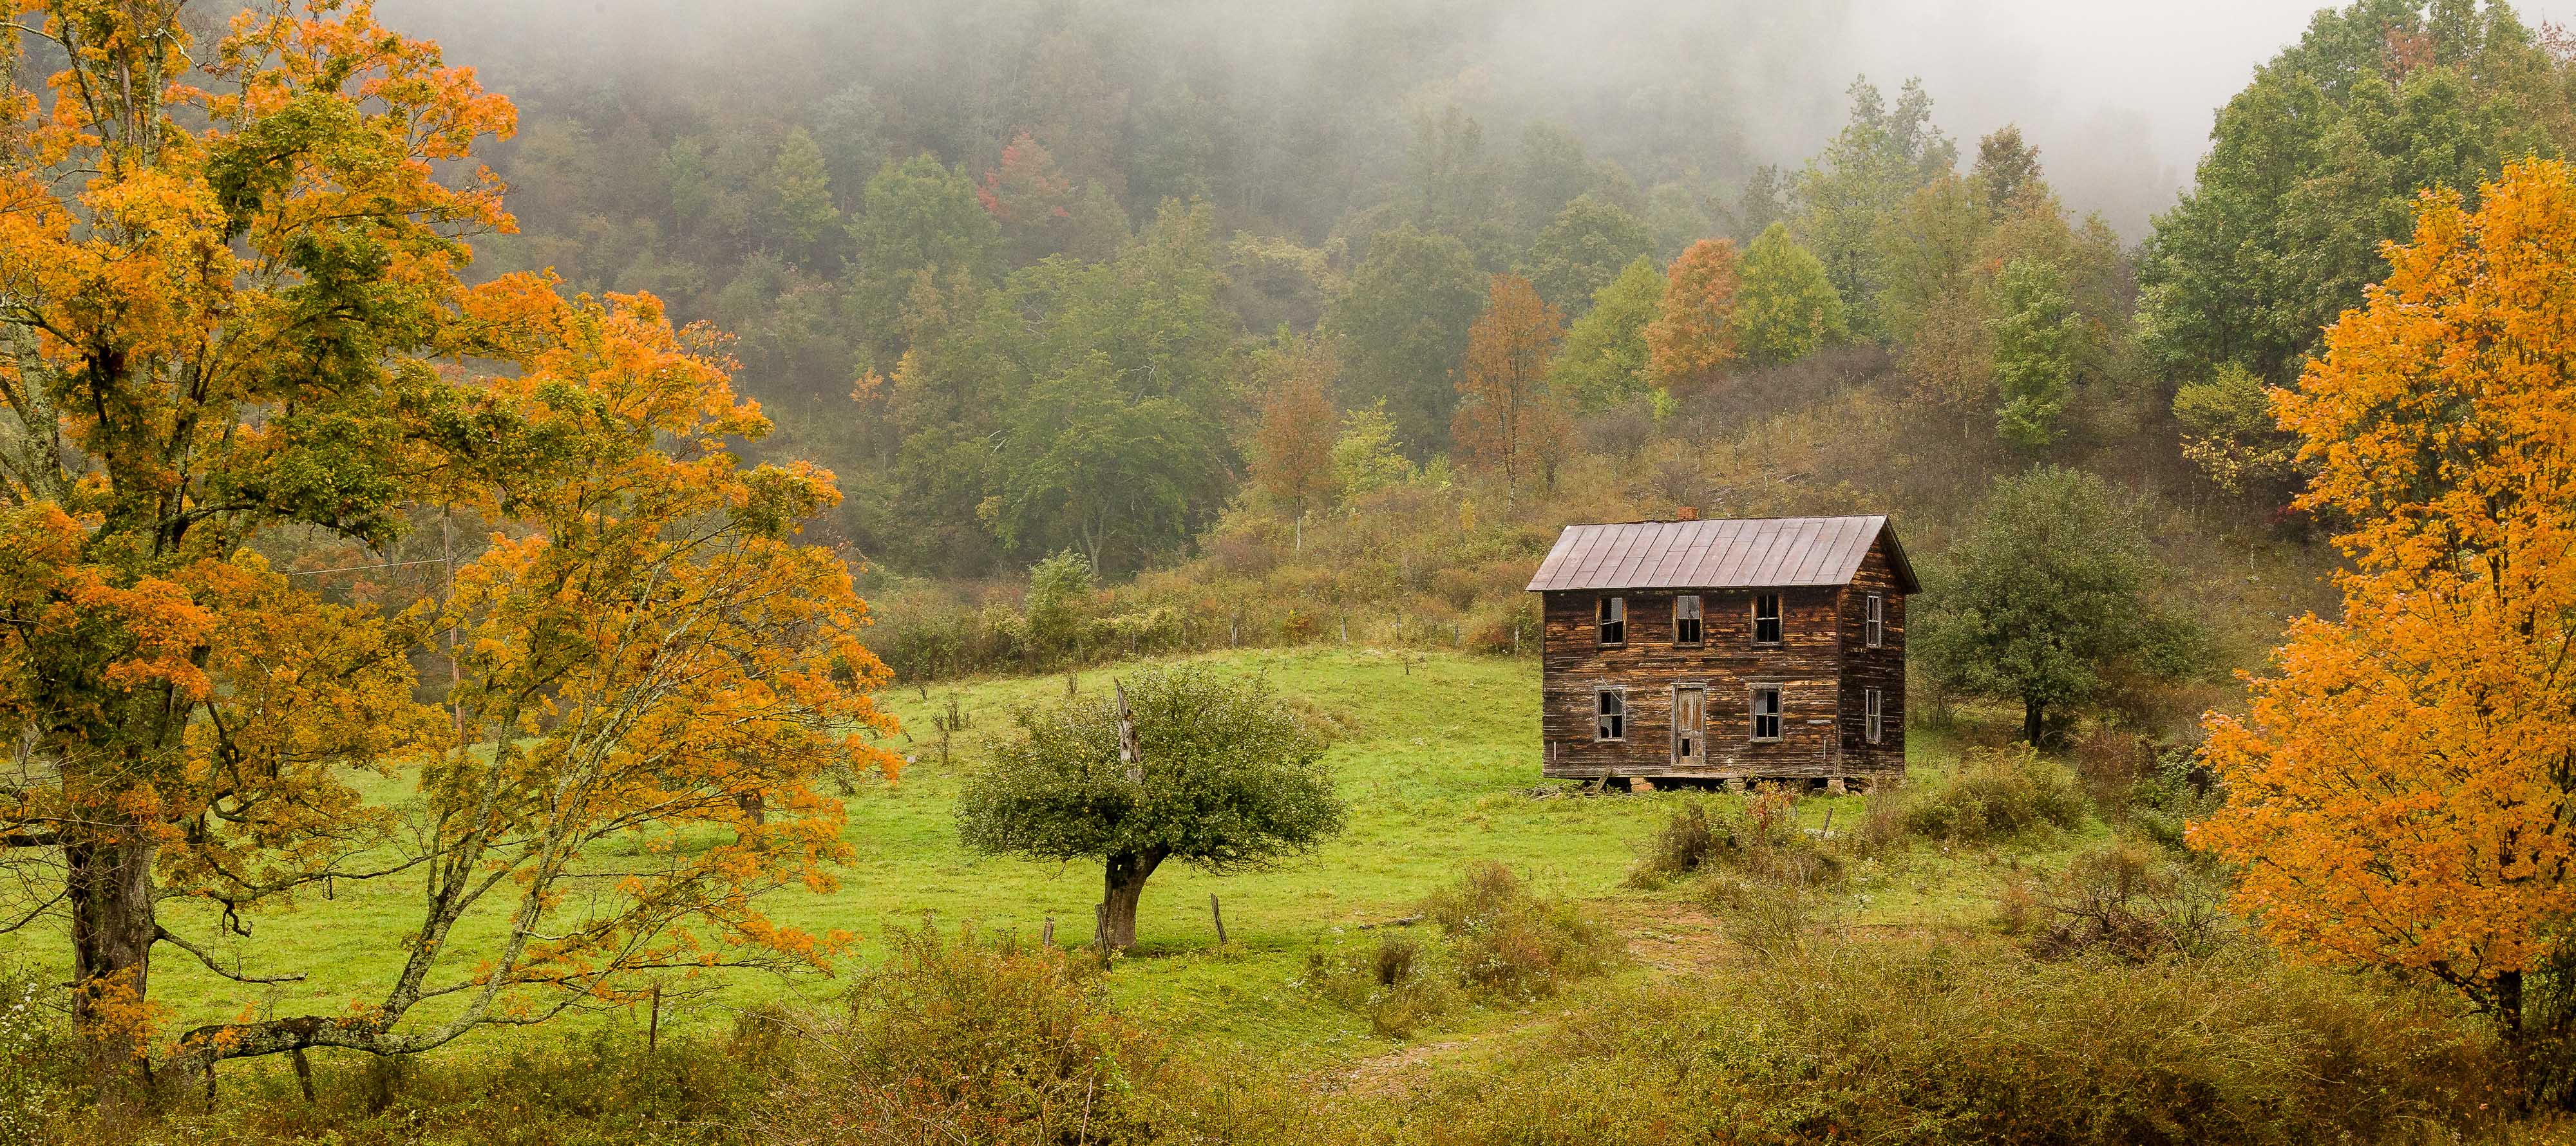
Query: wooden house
(1762,649)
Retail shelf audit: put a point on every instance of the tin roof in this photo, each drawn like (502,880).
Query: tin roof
(1747,553)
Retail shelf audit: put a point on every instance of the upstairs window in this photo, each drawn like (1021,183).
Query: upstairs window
(1876,707)
(1766,712)
(1686,619)
(1612,626)
(1874,623)
(1610,714)
(1766,618)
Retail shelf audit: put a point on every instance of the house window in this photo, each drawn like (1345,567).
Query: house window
(1610,714)
(1766,618)
(1874,623)
(1766,712)
(1875,708)
(1686,619)
(1612,625)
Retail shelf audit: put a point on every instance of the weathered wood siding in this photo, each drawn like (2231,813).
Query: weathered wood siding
(1823,665)
(1806,665)
(1882,668)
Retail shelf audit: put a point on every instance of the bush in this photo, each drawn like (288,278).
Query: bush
(964,1040)
(1399,983)
(1684,843)
(1997,794)
(33,1055)
(1510,942)
(2126,902)
(539,1088)
(2177,790)
(1932,1045)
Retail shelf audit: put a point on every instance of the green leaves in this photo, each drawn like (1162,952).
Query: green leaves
(2037,337)
(1604,359)
(1787,308)
(1582,250)
(1403,328)
(2052,589)
(1232,780)
(2314,165)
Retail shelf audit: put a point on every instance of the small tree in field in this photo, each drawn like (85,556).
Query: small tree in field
(2045,596)
(1229,780)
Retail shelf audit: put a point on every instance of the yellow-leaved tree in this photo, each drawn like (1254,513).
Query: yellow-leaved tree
(2399,796)
(232,321)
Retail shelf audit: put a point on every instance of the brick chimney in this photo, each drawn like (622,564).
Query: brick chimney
(1686,513)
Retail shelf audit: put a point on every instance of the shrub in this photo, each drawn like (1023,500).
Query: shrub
(2126,902)
(965,1040)
(1398,983)
(1511,942)
(2177,790)
(33,1055)
(2109,762)
(1997,794)
(1683,844)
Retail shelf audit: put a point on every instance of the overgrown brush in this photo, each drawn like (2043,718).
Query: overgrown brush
(966,1040)
(1399,982)
(1866,1043)
(2128,902)
(1514,943)
(1498,939)
(537,1088)
(1996,795)
(1771,879)
(1678,849)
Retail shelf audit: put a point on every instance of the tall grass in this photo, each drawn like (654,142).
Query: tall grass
(1931,1045)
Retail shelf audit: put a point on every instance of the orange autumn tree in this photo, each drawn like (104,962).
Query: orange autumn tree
(1693,335)
(1292,449)
(1508,420)
(219,309)
(2399,796)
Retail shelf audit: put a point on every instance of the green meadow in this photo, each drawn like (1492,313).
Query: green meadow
(1436,755)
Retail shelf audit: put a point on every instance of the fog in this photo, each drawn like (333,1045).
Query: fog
(2117,96)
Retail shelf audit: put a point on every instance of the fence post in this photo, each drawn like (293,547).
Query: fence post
(1218,914)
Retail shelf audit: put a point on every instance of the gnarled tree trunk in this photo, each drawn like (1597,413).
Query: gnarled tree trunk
(109,893)
(1123,886)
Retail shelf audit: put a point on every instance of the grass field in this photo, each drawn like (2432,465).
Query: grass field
(1438,762)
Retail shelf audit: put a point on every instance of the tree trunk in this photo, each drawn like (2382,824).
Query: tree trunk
(108,885)
(2031,712)
(2508,997)
(1122,887)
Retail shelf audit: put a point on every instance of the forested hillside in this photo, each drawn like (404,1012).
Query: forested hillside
(1031,280)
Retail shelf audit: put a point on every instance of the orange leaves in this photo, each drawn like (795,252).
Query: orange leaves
(1694,334)
(1506,416)
(2398,793)
(227,334)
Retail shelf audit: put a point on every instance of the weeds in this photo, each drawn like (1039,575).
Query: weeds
(1511,942)
(2127,902)
(1685,842)
(1998,794)
(964,1040)
(1886,1043)
(1398,983)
